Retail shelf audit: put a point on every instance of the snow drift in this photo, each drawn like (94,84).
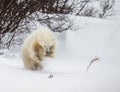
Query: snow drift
(75,50)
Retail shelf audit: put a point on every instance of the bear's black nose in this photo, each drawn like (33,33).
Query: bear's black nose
(47,52)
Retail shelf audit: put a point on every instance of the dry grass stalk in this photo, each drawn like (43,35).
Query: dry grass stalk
(92,61)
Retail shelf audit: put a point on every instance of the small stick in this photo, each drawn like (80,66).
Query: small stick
(50,76)
(92,61)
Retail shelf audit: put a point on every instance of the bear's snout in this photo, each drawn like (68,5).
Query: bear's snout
(47,52)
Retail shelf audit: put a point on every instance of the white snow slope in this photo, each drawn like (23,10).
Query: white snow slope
(96,37)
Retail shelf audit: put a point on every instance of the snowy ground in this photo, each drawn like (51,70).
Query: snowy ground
(96,37)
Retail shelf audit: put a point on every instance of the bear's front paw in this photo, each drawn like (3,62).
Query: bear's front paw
(37,66)
(52,56)
(35,58)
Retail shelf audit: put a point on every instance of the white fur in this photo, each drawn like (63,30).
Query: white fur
(35,47)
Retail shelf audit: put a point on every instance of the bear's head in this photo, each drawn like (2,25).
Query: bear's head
(47,44)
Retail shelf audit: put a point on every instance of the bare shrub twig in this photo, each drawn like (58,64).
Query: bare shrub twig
(92,61)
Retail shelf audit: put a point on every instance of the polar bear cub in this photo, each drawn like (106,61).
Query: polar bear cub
(37,46)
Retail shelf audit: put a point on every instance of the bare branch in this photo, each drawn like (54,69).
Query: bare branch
(92,61)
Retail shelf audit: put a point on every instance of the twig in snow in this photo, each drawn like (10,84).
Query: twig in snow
(92,61)
(50,76)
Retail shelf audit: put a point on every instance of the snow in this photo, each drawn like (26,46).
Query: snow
(75,50)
